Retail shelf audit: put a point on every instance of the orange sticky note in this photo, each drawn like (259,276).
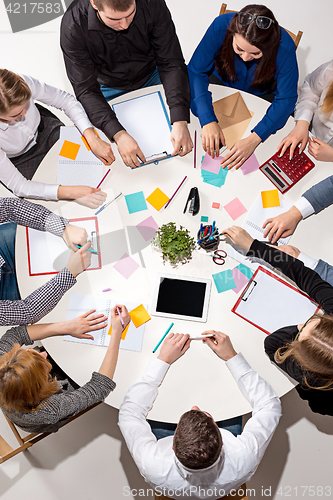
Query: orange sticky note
(157,199)
(123,335)
(139,316)
(270,198)
(69,150)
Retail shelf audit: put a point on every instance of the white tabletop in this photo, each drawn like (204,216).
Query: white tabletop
(199,377)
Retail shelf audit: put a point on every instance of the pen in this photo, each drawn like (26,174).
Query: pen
(206,336)
(103,179)
(88,249)
(166,333)
(195,149)
(176,191)
(121,319)
(106,204)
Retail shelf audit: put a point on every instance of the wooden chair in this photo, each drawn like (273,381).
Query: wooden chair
(242,490)
(7,452)
(296,38)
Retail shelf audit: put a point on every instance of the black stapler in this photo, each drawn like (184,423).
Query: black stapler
(194,200)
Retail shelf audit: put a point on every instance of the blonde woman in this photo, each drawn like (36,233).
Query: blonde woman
(28,131)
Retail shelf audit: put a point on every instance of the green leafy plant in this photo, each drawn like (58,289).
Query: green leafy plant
(176,244)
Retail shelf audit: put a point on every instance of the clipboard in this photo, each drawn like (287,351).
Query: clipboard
(269,303)
(48,254)
(145,118)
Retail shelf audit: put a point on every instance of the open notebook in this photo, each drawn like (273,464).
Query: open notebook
(80,304)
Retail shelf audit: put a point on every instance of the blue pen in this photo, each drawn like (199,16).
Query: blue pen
(166,333)
(89,249)
(213,226)
(106,204)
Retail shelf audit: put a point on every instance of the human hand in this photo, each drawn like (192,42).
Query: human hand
(320,150)
(282,225)
(292,251)
(79,261)
(87,322)
(240,151)
(74,235)
(173,347)
(298,136)
(181,139)
(115,319)
(220,344)
(102,150)
(239,237)
(83,195)
(129,149)
(211,137)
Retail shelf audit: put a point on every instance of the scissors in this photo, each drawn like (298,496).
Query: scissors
(219,257)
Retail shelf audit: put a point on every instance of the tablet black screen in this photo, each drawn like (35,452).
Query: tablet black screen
(181,297)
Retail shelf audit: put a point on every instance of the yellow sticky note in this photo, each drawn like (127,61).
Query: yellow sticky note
(139,316)
(270,198)
(69,150)
(123,335)
(157,199)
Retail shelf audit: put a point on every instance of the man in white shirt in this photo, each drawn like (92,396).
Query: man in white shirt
(201,460)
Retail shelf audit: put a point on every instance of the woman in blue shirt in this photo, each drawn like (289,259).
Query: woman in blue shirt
(248,51)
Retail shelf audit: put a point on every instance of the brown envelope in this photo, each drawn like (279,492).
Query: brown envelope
(233,117)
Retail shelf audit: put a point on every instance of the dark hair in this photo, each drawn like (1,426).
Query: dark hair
(25,380)
(313,353)
(197,442)
(267,41)
(117,5)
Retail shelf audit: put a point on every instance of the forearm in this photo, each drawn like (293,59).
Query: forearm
(109,363)
(320,195)
(45,330)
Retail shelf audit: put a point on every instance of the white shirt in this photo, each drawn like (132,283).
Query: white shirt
(313,92)
(20,135)
(240,455)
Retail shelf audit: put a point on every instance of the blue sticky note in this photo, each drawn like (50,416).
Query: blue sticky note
(224,281)
(215,179)
(204,219)
(135,202)
(245,270)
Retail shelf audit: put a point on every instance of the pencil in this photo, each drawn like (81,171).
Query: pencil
(195,149)
(103,178)
(174,194)
(88,249)
(166,333)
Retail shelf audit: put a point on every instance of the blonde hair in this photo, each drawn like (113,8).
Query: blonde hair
(327,105)
(313,353)
(25,380)
(14,91)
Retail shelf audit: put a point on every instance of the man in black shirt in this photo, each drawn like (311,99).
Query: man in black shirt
(114,46)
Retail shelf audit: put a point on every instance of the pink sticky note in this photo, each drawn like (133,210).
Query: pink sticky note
(210,164)
(240,279)
(250,165)
(147,228)
(126,266)
(235,208)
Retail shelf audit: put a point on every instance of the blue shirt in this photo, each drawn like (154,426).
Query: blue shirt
(286,75)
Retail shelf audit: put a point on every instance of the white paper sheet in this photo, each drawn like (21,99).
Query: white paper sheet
(146,121)
(273,304)
(80,304)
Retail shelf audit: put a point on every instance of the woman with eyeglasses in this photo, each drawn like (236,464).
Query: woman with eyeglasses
(305,352)
(247,51)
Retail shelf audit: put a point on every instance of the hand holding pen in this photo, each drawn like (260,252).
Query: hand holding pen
(119,318)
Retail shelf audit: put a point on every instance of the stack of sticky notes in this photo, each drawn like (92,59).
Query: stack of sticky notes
(212,172)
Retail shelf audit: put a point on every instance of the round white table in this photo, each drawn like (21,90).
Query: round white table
(199,377)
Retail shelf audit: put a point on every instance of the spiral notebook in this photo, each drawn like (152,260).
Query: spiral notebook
(79,304)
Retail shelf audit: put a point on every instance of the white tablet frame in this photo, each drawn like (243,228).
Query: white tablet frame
(203,317)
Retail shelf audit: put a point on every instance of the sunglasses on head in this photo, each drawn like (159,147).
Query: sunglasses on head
(263,22)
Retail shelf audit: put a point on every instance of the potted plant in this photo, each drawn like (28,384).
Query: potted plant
(176,244)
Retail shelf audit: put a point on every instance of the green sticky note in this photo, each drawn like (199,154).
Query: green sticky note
(224,281)
(245,270)
(204,219)
(135,202)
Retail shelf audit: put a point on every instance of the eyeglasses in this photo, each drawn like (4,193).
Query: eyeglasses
(263,22)
(304,325)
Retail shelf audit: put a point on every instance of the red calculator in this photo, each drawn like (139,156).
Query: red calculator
(284,173)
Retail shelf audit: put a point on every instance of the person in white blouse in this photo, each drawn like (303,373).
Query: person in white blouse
(200,460)
(20,124)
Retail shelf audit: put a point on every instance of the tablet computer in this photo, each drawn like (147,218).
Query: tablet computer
(181,297)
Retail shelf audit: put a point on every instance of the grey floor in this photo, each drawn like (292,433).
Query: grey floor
(88,459)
